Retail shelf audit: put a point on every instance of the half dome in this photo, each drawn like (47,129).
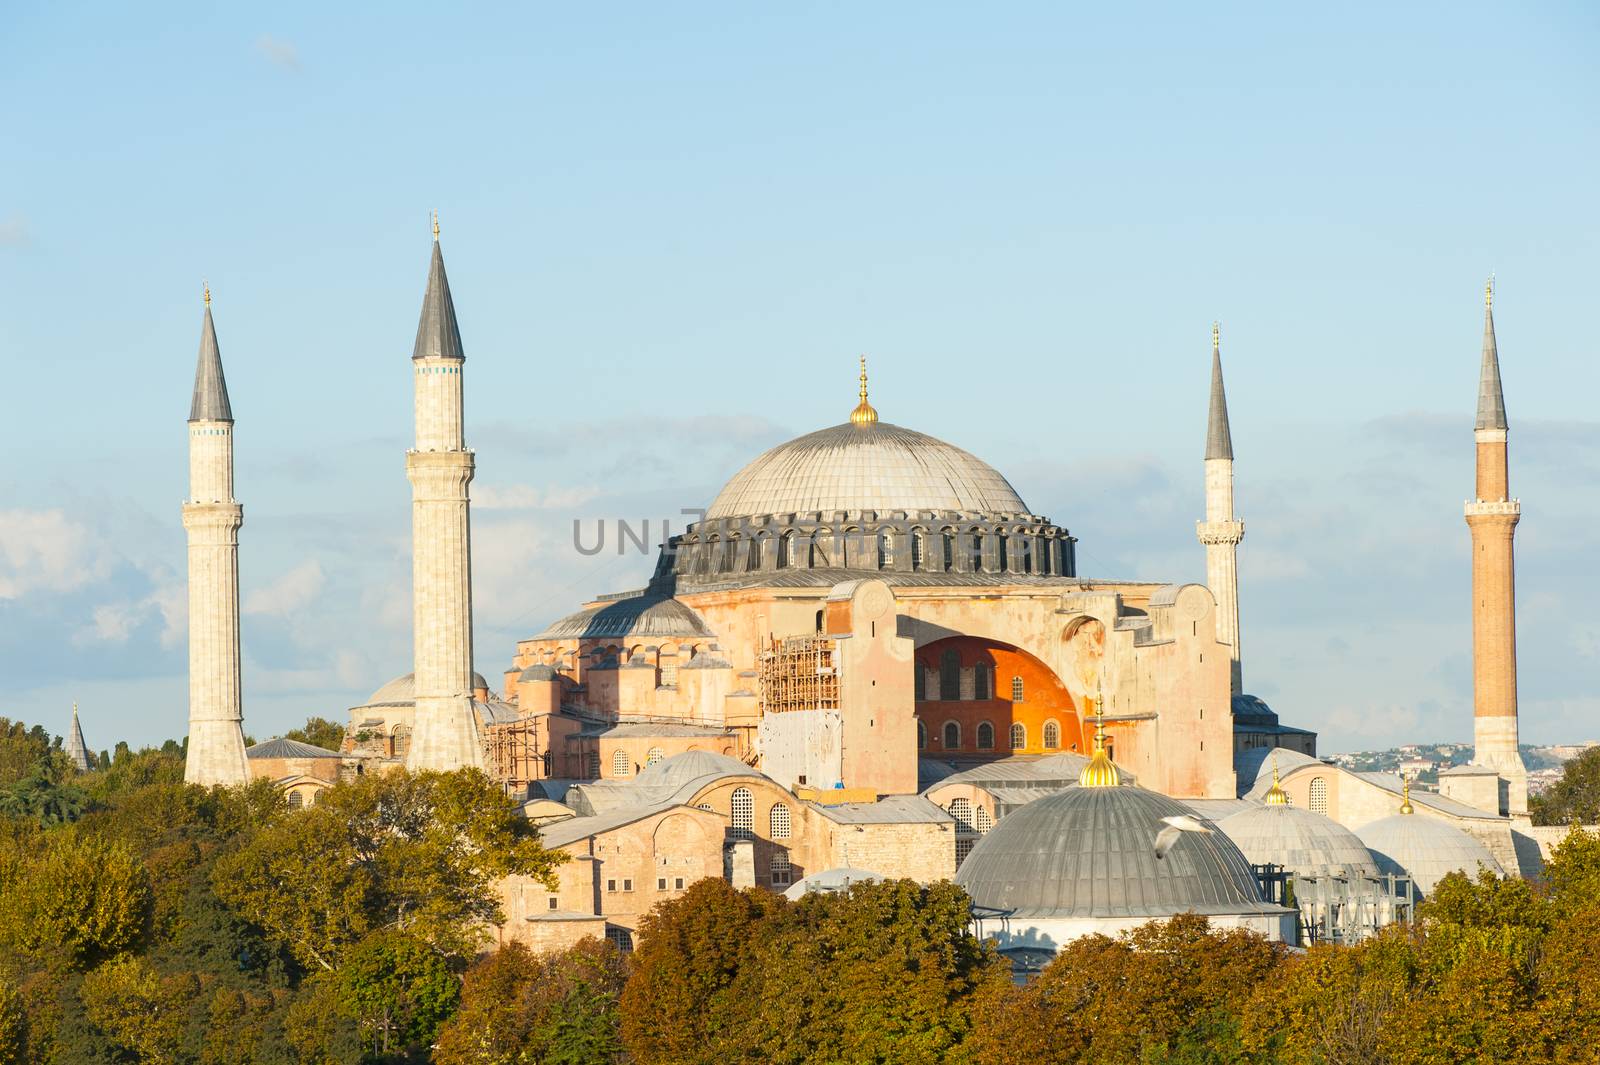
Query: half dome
(872,466)
(404,690)
(1090,852)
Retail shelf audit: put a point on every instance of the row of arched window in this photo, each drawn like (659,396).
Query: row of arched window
(945,549)
(953,682)
(950,736)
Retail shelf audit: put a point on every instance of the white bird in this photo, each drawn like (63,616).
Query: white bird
(1177,824)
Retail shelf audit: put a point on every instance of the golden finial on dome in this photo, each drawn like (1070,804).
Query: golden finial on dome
(1101,772)
(1488,292)
(436,226)
(1276,796)
(207,286)
(1405,794)
(1216,336)
(863,414)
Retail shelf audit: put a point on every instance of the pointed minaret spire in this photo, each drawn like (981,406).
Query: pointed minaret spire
(864,414)
(210,401)
(1219,441)
(1491,400)
(438,336)
(77,750)
(1221,532)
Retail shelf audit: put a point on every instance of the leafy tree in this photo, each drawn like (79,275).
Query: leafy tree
(1573,871)
(319,732)
(317,1028)
(21,748)
(1568,1009)
(1478,1009)
(1501,914)
(137,1009)
(13,1026)
(559,1008)
(419,853)
(1575,797)
(78,899)
(398,990)
(46,793)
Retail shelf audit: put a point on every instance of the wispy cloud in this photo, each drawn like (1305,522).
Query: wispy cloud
(278,51)
(289,594)
(14,232)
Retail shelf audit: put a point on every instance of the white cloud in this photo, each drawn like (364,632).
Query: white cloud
(45,551)
(290,593)
(278,51)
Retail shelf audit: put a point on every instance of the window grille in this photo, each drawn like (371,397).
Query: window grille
(982,683)
(1019,735)
(744,813)
(985,736)
(782,872)
(1052,735)
(620,938)
(1319,796)
(952,735)
(592,761)
(1016,689)
(981,821)
(295,800)
(654,755)
(963,848)
(961,810)
(621,764)
(779,818)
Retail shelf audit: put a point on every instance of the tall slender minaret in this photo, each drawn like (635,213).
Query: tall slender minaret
(212,518)
(1219,531)
(445,730)
(1492,516)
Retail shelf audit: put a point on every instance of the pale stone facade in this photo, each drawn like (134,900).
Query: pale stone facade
(211,518)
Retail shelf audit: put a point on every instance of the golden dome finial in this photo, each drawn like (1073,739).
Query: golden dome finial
(1405,794)
(1276,796)
(1488,292)
(1101,772)
(207,286)
(1216,336)
(863,414)
(436,226)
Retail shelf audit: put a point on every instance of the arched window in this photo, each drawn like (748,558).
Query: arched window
(981,819)
(703,806)
(1019,735)
(919,549)
(950,675)
(786,550)
(819,621)
(974,552)
(1016,689)
(296,800)
(621,764)
(782,872)
(654,755)
(668,671)
(885,549)
(919,680)
(983,681)
(985,736)
(952,735)
(778,821)
(1052,735)
(620,938)
(549,764)
(949,538)
(922,735)
(1319,796)
(402,740)
(744,813)
(961,810)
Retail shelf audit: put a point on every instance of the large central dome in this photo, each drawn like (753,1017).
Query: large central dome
(871,466)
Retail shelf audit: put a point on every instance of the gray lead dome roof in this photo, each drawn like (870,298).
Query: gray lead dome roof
(879,467)
(1090,852)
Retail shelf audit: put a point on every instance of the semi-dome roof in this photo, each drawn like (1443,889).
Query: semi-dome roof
(404,690)
(868,466)
(690,765)
(641,616)
(1090,852)
(1426,848)
(1303,842)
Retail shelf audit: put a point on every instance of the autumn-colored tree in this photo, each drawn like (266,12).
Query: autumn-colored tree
(1478,1008)
(319,732)
(1568,1011)
(138,1009)
(557,1008)
(21,748)
(1466,915)
(1573,798)
(676,1005)
(13,1026)
(414,852)
(1573,871)
(398,990)
(75,898)
(1161,992)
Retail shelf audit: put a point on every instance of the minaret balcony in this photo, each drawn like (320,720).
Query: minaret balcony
(1492,507)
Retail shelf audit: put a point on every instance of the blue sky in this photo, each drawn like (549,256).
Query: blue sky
(670,229)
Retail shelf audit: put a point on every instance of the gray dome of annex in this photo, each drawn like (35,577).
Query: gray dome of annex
(1089,852)
(1304,843)
(1425,848)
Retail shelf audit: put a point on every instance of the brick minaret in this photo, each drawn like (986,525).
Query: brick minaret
(445,730)
(1219,531)
(1492,516)
(212,517)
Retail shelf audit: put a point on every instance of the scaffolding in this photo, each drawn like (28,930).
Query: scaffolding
(1340,909)
(511,755)
(800,673)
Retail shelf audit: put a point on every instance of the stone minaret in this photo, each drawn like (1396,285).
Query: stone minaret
(212,518)
(1492,516)
(445,730)
(76,749)
(1220,532)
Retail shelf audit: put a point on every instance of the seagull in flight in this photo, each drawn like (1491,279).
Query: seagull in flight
(1176,825)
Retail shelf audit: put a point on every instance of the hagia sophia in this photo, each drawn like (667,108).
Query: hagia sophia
(871,658)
